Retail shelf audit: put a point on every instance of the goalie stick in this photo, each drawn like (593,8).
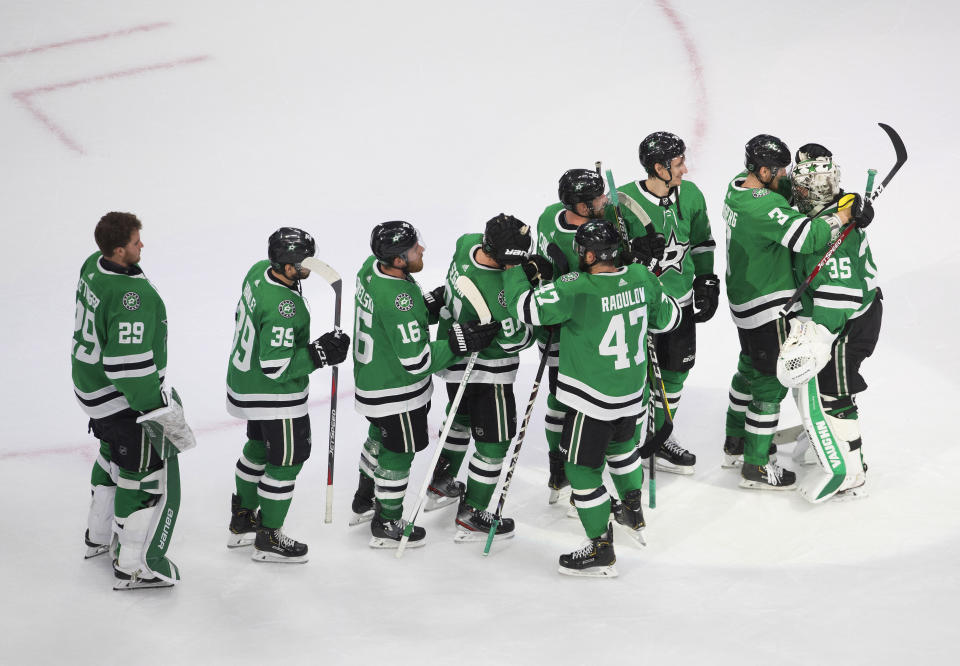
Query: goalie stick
(333,278)
(871,196)
(469,291)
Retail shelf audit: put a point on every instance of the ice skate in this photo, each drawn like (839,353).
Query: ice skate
(444,489)
(629,514)
(767,477)
(673,458)
(474,525)
(93,549)
(733,452)
(558,483)
(123,580)
(363,502)
(594,559)
(387,533)
(243,524)
(272,545)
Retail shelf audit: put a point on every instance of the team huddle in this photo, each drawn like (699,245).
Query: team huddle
(609,286)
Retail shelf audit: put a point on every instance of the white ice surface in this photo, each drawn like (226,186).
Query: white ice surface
(216,122)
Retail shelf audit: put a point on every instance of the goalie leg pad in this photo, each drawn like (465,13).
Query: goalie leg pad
(100,520)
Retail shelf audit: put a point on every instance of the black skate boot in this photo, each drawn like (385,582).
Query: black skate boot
(629,513)
(767,477)
(558,477)
(272,545)
(387,533)
(595,558)
(474,525)
(733,452)
(443,489)
(93,548)
(243,524)
(362,505)
(673,458)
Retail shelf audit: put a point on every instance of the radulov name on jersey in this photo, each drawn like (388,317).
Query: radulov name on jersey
(92,300)
(623,299)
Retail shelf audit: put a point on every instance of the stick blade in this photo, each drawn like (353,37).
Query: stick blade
(322,269)
(469,291)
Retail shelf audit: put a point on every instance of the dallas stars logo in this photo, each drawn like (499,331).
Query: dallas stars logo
(403,302)
(673,254)
(131,300)
(502,299)
(288,309)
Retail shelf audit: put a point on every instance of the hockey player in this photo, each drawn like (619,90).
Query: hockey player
(842,314)
(604,312)
(119,357)
(763,232)
(393,363)
(582,198)
(488,409)
(268,376)
(678,215)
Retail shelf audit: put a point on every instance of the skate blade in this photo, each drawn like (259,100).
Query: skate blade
(593,572)
(266,556)
(729,462)
(360,518)
(94,550)
(383,542)
(470,536)
(241,540)
(556,495)
(851,494)
(670,468)
(759,485)
(435,502)
(140,584)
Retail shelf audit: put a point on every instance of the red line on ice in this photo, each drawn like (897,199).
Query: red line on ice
(700,124)
(24,96)
(85,40)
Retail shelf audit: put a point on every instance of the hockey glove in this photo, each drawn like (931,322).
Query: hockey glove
(706,297)
(537,269)
(330,348)
(434,301)
(472,336)
(167,429)
(648,250)
(861,213)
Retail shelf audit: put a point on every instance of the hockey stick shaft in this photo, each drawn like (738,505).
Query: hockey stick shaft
(469,291)
(615,200)
(901,153)
(516,447)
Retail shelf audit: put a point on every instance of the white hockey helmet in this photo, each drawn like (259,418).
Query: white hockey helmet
(816,183)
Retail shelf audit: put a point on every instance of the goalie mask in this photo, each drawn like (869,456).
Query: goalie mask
(815,184)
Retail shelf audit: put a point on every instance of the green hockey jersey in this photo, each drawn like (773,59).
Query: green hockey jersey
(551,228)
(269,367)
(498,363)
(605,318)
(119,351)
(763,233)
(393,358)
(844,288)
(681,217)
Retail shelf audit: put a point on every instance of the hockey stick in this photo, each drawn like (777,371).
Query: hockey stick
(516,447)
(870,196)
(469,291)
(333,278)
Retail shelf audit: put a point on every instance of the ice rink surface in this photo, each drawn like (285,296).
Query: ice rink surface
(217,122)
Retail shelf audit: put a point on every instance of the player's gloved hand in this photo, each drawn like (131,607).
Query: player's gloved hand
(330,348)
(434,301)
(648,249)
(861,212)
(166,427)
(706,297)
(471,336)
(538,269)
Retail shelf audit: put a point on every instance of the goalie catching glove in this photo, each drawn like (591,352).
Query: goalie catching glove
(472,336)
(167,428)
(330,348)
(804,353)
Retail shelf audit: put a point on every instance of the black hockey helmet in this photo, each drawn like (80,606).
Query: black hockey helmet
(506,239)
(392,239)
(579,186)
(660,148)
(599,237)
(765,150)
(289,245)
(811,151)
